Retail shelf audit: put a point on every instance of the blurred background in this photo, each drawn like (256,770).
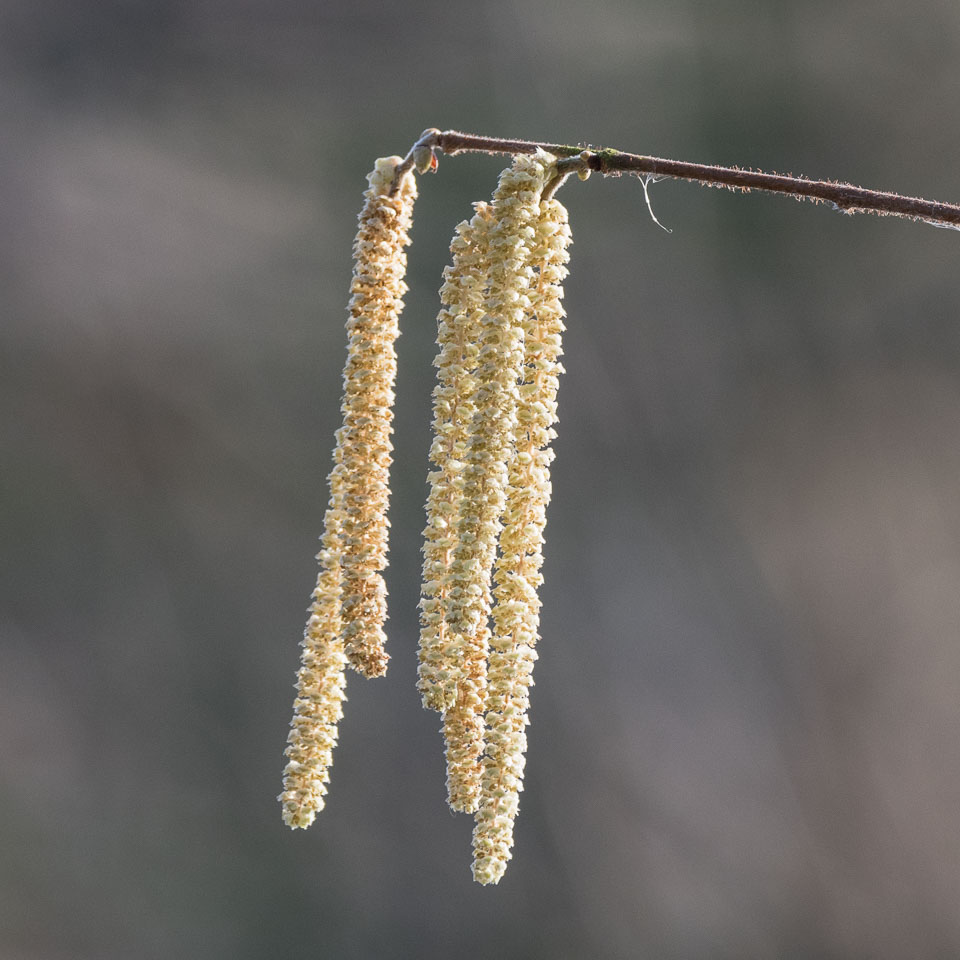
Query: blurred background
(744,737)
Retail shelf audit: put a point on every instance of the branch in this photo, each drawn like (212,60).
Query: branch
(842,196)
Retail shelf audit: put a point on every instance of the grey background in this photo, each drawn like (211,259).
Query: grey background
(744,730)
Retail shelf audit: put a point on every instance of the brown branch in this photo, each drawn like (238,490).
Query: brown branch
(842,196)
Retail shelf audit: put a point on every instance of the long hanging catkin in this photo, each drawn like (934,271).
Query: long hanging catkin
(321,679)
(487,448)
(349,605)
(458,327)
(517,576)
(368,378)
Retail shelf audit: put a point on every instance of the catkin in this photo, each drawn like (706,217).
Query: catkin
(346,616)
(484,474)
(517,575)
(321,679)
(368,377)
(458,324)
(494,410)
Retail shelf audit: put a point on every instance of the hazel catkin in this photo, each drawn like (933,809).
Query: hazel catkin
(345,622)
(517,576)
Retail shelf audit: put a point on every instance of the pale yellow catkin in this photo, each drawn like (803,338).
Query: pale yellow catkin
(369,377)
(348,608)
(517,575)
(321,680)
(487,448)
(458,324)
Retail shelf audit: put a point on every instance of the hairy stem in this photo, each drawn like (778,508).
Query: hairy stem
(842,196)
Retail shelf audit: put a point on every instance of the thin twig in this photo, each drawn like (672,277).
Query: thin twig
(844,197)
